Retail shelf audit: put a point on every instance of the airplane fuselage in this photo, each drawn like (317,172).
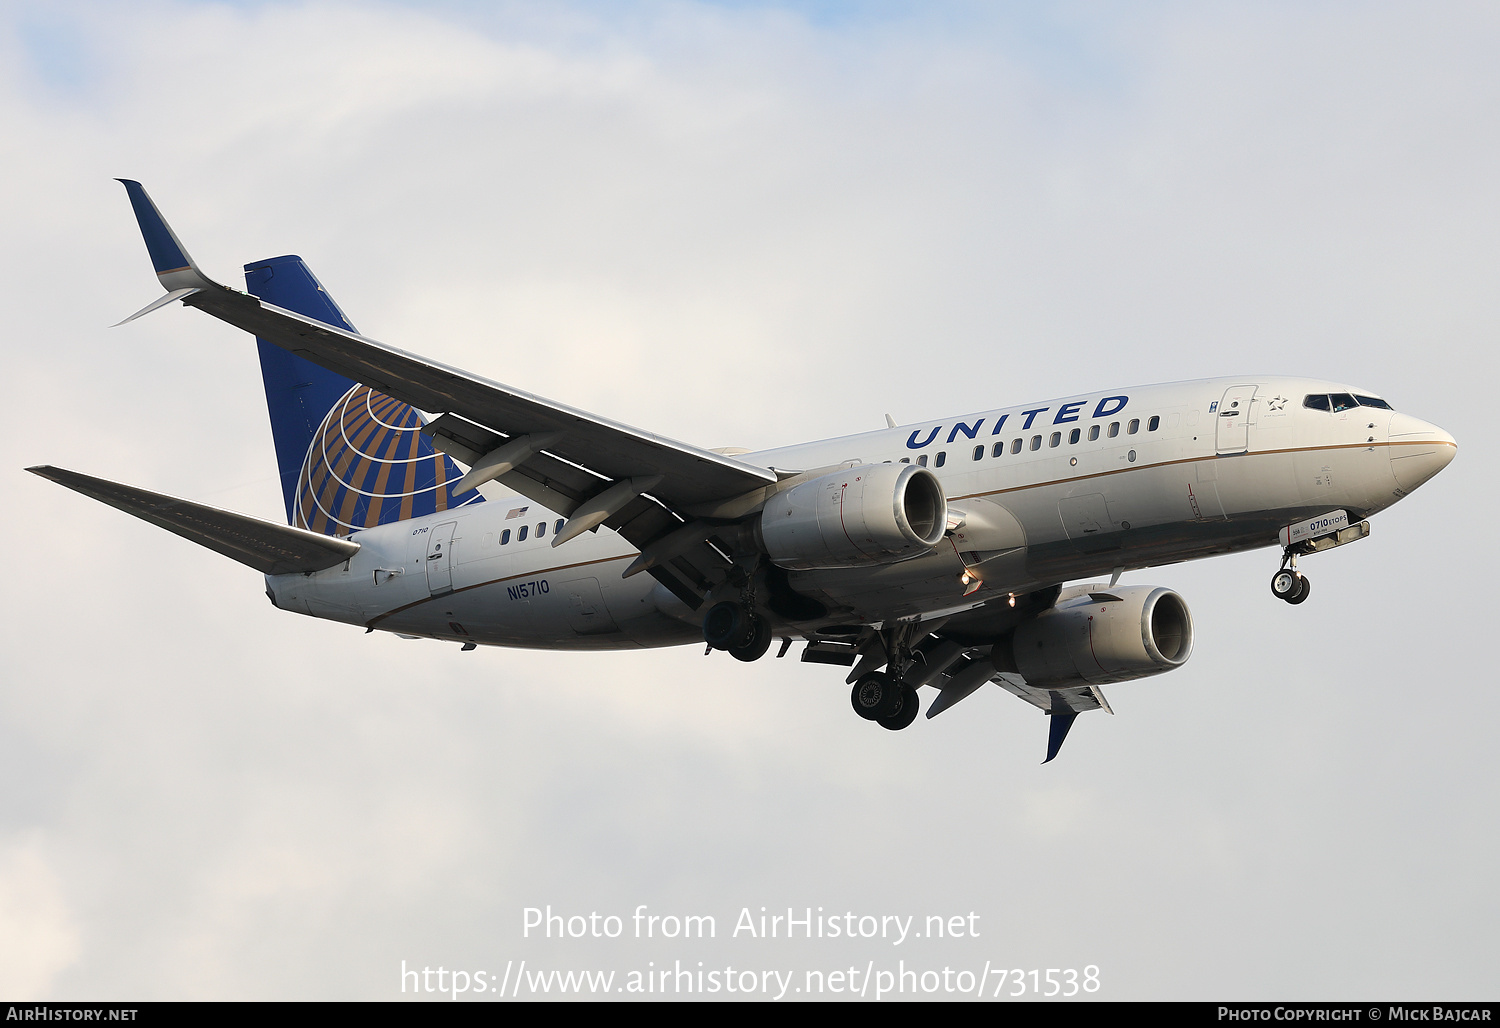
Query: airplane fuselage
(1038,493)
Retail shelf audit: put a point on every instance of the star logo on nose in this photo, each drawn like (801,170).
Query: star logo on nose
(1278,403)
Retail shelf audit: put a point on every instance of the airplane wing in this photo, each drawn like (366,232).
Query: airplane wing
(957,670)
(1054,701)
(591,469)
(1061,705)
(957,666)
(267,547)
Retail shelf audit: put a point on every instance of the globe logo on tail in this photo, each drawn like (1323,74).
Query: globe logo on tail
(369,464)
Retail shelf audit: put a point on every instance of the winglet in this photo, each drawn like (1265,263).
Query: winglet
(1057,732)
(174,268)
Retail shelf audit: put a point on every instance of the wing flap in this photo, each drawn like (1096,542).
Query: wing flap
(1054,701)
(267,547)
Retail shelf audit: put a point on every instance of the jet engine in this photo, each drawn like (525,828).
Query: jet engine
(861,516)
(1097,636)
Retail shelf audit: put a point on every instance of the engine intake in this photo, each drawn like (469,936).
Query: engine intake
(1097,636)
(865,515)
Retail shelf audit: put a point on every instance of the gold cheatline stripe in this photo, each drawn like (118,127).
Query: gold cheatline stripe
(1194,460)
(496,581)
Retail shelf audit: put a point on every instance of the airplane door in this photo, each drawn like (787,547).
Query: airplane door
(439,558)
(1086,520)
(586,610)
(1233,419)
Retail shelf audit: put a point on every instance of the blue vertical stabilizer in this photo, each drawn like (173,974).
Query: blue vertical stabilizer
(350,457)
(299,394)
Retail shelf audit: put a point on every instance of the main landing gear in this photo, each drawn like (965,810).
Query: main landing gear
(731,626)
(880,696)
(1289,584)
(887,697)
(887,701)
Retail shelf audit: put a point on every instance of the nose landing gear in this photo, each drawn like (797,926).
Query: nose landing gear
(1289,584)
(1314,535)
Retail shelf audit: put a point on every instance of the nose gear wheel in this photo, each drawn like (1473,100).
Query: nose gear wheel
(1289,584)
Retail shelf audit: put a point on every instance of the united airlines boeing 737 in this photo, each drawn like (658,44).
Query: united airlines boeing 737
(934,554)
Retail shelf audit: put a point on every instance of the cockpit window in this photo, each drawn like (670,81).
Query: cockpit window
(1317,401)
(1373,401)
(1341,401)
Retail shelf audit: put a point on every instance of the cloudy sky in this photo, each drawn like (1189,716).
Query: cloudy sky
(743,224)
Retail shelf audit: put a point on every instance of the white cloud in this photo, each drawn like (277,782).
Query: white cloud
(40,937)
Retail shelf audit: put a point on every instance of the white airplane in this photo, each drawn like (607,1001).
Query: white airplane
(919,555)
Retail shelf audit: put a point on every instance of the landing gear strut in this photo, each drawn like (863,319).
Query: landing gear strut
(1289,584)
(883,696)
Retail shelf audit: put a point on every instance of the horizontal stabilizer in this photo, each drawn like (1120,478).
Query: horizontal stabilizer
(267,547)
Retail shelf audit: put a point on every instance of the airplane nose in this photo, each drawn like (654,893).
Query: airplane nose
(1418,450)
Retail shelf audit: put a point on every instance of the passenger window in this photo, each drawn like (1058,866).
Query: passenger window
(1056,438)
(922,460)
(1341,401)
(558,527)
(1316,402)
(1015,446)
(905,460)
(1153,424)
(1074,436)
(541,529)
(1373,401)
(1093,432)
(942,458)
(1135,426)
(521,534)
(1036,442)
(979,452)
(999,449)
(505,537)
(1114,429)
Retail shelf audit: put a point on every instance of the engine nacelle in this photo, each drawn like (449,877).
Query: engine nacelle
(1098,636)
(862,516)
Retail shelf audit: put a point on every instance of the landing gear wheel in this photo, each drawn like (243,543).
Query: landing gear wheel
(1303,591)
(728,625)
(911,705)
(876,696)
(1285,584)
(760,642)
